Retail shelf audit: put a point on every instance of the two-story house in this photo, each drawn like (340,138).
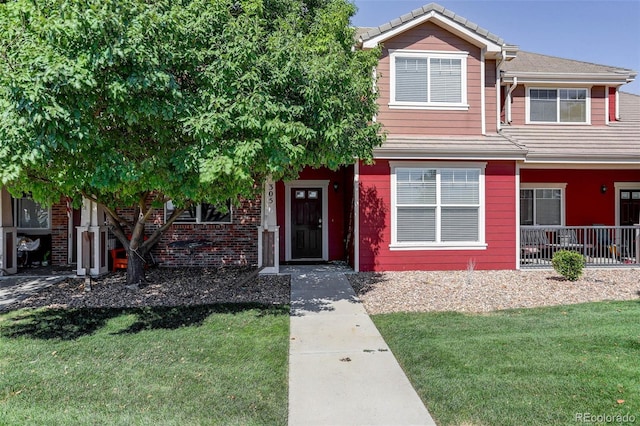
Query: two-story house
(494,159)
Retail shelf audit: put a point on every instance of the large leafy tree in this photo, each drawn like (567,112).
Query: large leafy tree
(131,103)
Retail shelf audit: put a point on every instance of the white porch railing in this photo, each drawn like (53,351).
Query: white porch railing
(601,246)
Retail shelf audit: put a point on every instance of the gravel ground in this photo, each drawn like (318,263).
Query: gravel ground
(166,287)
(415,291)
(484,291)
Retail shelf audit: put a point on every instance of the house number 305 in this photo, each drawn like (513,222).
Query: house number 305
(270,193)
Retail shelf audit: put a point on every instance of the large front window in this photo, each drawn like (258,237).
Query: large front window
(428,79)
(558,105)
(438,206)
(542,206)
(31,216)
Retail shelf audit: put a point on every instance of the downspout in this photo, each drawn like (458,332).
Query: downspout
(356,216)
(483,109)
(606,105)
(508,100)
(618,103)
(498,86)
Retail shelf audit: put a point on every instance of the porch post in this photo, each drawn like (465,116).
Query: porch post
(269,232)
(92,240)
(8,236)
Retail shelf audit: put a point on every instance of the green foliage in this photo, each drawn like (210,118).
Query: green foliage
(192,100)
(568,263)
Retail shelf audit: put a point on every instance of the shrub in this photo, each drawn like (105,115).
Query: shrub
(568,263)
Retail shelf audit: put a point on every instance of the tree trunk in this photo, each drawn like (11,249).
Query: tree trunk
(135,269)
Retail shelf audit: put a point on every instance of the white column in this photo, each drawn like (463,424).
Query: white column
(269,231)
(92,240)
(8,236)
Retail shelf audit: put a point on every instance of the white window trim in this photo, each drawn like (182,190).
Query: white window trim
(542,185)
(31,231)
(199,216)
(476,245)
(427,54)
(527,107)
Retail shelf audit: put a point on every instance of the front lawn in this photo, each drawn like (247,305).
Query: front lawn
(211,364)
(562,365)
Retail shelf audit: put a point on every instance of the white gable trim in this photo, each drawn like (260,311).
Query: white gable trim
(444,22)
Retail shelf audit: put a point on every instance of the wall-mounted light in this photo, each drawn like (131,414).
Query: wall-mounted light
(603,188)
(335,186)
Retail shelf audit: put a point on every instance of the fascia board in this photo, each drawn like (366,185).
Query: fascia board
(441,21)
(422,155)
(573,78)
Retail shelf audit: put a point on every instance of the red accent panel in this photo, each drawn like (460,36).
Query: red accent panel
(585,204)
(375,225)
(339,204)
(612,103)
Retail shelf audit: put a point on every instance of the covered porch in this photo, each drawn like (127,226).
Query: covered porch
(601,246)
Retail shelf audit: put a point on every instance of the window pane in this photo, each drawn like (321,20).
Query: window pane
(460,186)
(30,215)
(210,213)
(543,105)
(416,186)
(446,80)
(459,224)
(573,105)
(416,224)
(411,79)
(526,207)
(187,216)
(548,206)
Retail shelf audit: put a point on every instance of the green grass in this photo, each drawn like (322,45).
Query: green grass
(522,367)
(217,364)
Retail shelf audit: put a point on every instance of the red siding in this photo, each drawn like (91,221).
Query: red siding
(375,225)
(598,105)
(612,103)
(585,204)
(429,36)
(339,201)
(490,97)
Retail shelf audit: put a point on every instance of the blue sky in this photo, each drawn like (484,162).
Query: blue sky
(603,32)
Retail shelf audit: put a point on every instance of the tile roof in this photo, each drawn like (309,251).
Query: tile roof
(431,7)
(528,62)
(618,142)
(478,147)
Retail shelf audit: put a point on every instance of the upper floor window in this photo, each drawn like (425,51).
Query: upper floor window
(428,80)
(558,105)
(202,213)
(30,215)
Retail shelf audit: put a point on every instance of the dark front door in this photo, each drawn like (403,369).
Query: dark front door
(306,223)
(629,216)
(629,207)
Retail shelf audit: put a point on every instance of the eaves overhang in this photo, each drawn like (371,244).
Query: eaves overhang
(470,32)
(613,79)
(421,154)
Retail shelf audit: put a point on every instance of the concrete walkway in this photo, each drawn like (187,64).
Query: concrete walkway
(341,371)
(18,287)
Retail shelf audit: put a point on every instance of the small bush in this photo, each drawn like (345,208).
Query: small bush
(568,263)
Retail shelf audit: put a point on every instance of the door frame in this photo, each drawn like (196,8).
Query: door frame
(623,186)
(324,185)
